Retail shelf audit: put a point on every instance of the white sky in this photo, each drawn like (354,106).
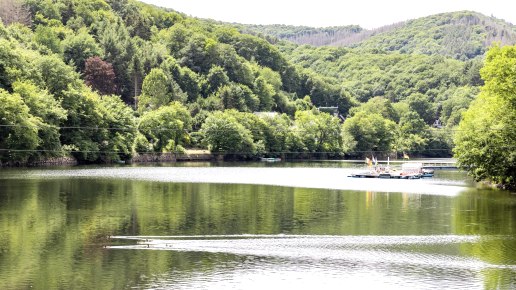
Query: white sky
(321,13)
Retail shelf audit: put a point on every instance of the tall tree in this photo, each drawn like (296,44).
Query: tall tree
(119,50)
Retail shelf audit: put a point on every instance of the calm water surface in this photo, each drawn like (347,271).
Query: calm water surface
(251,226)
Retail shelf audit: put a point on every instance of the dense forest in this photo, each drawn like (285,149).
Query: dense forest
(104,80)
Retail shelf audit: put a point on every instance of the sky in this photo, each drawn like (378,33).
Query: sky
(321,13)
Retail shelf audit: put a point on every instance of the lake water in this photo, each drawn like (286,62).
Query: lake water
(251,226)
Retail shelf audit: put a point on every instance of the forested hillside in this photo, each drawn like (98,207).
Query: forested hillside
(460,35)
(104,80)
(304,34)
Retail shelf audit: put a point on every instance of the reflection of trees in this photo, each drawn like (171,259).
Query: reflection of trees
(492,216)
(51,232)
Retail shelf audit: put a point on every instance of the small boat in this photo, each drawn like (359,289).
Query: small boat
(270,159)
(427,172)
(408,171)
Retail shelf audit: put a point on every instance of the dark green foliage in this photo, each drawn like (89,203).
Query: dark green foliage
(79,47)
(420,104)
(119,50)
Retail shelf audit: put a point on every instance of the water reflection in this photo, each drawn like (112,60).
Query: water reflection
(306,177)
(53,233)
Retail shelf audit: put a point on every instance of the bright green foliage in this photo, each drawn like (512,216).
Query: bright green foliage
(391,75)
(18,129)
(486,138)
(47,36)
(161,56)
(40,102)
(158,90)
(224,134)
(377,105)
(273,78)
(319,132)
(56,75)
(49,112)
(278,134)
(119,133)
(256,125)
(411,134)
(82,135)
(368,133)
(167,127)
(265,93)
(155,91)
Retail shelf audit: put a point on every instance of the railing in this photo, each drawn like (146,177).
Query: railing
(447,163)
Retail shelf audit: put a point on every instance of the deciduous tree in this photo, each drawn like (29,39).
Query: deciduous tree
(486,136)
(99,75)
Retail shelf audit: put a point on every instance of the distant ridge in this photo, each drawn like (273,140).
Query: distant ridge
(304,34)
(460,35)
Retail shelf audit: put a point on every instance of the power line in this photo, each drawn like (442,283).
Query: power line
(185,130)
(226,152)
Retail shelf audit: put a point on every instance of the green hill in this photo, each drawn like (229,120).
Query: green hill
(104,80)
(461,35)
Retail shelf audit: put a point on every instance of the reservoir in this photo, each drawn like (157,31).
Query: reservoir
(251,226)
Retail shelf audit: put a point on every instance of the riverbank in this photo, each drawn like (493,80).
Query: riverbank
(189,155)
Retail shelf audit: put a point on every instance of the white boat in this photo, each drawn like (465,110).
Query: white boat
(411,170)
(270,159)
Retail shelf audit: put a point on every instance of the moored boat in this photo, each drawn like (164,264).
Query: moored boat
(411,170)
(270,159)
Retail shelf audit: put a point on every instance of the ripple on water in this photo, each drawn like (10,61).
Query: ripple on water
(365,249)
(384,262)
